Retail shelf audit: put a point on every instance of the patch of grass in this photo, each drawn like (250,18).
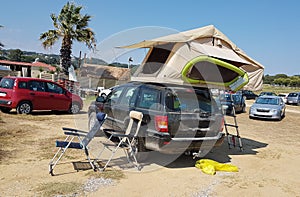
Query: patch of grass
(108,174)
(1,120)
(32,117)
(278,89)
(56,188)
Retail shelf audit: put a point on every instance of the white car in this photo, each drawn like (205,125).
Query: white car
(105,92)
(283,96)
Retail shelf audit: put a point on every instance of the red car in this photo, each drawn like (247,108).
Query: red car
(27,94)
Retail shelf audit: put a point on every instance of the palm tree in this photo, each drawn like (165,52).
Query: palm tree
(69,25)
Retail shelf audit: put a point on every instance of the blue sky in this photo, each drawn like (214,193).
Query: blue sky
(267,30)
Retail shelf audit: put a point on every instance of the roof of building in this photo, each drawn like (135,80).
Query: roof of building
(105,72)
(35,64)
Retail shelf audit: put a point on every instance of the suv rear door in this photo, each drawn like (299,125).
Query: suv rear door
(196,112)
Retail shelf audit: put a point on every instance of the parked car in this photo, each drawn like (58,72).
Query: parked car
(233,100)
(293,98)
(105,92)
(247,94)
(176,119)
(268,107)
(267,93)
(283,96)
(26,94)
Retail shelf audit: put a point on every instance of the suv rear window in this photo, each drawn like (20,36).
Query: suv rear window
(7,83)
(189,101)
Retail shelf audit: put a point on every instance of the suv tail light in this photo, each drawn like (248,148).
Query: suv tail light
(222,124)
(161,123)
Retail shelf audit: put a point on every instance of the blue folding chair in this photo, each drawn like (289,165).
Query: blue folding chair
(84,138)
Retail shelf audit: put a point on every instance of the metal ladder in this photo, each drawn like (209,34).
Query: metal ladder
(231,138)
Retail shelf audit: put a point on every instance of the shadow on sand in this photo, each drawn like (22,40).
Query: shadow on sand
(220,154)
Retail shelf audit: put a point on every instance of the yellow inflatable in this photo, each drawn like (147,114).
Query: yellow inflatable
(210,167)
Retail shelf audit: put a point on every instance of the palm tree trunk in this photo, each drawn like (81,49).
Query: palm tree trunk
(65,54)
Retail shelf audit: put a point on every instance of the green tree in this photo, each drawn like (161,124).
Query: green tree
(71,26)
(280,76)
(15,55)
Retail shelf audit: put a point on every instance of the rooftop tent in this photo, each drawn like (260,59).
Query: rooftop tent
(203,56)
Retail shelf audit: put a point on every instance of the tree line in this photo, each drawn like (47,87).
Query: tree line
(282,80)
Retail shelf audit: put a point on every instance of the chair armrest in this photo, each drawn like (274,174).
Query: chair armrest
(74,130)
(74,134)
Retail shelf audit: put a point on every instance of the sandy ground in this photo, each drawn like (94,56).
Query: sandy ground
(268,166)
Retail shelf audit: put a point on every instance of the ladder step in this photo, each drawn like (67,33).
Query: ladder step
(231,115)
(231,125)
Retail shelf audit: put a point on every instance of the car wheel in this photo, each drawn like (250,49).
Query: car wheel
(244,109)
(5,109)
(74,108)
(142,152)
(283,114)
(24,107)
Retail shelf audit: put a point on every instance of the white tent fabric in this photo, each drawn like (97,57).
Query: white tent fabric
(169,54)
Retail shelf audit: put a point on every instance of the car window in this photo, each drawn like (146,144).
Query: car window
(270,101)
(236,98)
(37,86)
(22,85)
(127,96)
(53,88)
(149,98)
(7,83)
(189,101)
(293,95)
(114,96)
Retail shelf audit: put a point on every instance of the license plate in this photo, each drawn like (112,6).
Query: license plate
(2,94)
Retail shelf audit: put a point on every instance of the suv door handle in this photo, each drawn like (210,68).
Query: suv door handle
(32,93)
(51,95)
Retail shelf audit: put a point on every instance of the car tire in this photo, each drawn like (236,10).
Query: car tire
(24,107)
(244,109)
(74,108)
(5,109)
(142,152)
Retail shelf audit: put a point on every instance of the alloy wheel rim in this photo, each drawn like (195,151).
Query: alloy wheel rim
(25,108)
(75,109)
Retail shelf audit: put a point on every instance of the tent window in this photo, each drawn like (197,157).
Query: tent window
(157,58)
(210,72)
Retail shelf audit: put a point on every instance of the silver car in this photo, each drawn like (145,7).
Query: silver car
(268,107)
(293,98)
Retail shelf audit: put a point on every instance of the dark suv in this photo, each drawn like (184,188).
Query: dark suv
(247,94)
(176,119)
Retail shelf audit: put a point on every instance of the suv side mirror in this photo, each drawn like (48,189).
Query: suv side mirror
(100,99)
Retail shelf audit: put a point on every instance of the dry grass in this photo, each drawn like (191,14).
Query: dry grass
(278,89)
(59,189)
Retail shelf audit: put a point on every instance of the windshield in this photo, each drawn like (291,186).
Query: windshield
(293,94)
(269,101)
(225,97)
(7,83)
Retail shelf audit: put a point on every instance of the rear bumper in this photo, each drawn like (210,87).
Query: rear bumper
(181,145)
